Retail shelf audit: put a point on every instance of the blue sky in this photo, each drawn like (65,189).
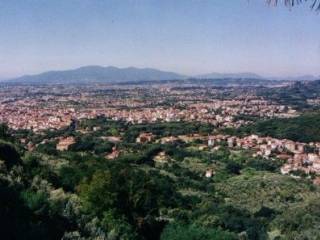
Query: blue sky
(189,37)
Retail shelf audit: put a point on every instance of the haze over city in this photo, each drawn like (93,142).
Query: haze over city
(187,37)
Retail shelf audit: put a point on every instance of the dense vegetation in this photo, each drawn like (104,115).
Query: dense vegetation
(79,194)
(305,128)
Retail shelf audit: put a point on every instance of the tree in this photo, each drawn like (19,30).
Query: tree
(117,227)
(134,197)
(4,132)
(9,154)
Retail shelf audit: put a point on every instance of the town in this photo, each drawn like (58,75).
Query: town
(37,108)
(41,108)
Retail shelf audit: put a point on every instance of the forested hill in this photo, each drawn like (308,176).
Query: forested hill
(151,191)
(305,128)
(97,74)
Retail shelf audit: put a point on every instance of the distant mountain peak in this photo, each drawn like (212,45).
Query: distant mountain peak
(215,75)
(307,77)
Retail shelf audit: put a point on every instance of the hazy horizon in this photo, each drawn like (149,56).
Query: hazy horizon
(270,77)
(187,37)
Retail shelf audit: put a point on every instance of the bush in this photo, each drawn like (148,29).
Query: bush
(178,231)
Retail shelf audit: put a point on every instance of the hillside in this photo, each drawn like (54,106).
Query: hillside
(304,128)
(78,193)
(110,74)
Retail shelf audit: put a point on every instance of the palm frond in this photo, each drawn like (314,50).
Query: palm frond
(314,4)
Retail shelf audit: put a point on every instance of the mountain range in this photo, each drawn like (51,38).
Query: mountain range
(99,74)
(215,75)
(304,78)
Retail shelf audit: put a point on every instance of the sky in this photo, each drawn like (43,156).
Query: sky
(184,36)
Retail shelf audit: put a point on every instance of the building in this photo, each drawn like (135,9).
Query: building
(114,154)
(144,138)
(65,143)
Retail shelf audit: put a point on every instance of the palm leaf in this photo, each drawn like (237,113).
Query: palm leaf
(314,4)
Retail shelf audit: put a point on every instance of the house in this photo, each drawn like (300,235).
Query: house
(64,143)
(30,146)
(316,166)
(313,157)
(114,154)
(290,145)
(144,138)
(286,168)
(97,128)
(209,173)
(170,139)
(112,139)
(231,142)
(211,142)
(284,156)
(161,157)
(316,181)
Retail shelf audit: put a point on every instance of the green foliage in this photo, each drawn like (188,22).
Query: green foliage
(262,164)
(167,129)
(295,95)
(176,231)
(117,227)
(4,132)
(79,194)
(92,144)
(275,191)
(300,222)
(27,215)
(12,212)
(131,194)
(48,148)
(233,167)
(107,127)
(35,201)
(130,191)
(69,177)
(304,128)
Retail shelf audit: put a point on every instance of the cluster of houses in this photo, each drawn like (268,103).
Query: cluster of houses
(64,144)
(298,156)
(39,112)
